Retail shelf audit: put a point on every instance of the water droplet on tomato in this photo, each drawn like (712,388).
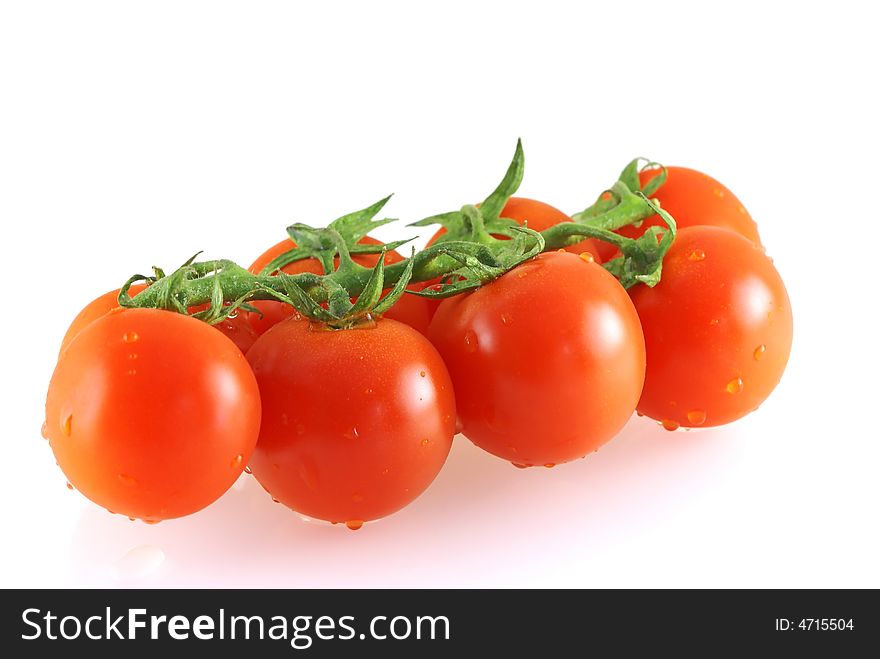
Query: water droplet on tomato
(357,498)
(132,371)
(586,256)
(470,341)
(274,500)
(639,413)
(151,521)
(132,519)
(422,374)
(385,471)
(549,465)
(696,417)
(718,192)
(669,424)
(696,255)
(126,480)
(504,319)
(759,352)
(67,425)
(354,524)
(367,391)
(44,430)
(130,337)
(734,386)
(132,356)
(424,442)
(519,466)
(236,461)
(247,470)
(351,434)
(69,486)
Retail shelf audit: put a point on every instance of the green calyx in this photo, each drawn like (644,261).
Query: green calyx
(479,245)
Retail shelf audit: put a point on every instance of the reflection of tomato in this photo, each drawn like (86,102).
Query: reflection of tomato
(693,199)
(409,309)
(236,327)
(547,361)
(356,422)
(151,413)
(717,327)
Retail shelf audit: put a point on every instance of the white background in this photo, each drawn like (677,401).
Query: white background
(138,133)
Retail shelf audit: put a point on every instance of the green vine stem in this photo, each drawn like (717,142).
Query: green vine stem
(479,245)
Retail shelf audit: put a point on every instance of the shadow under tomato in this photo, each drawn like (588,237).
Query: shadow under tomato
(482,523)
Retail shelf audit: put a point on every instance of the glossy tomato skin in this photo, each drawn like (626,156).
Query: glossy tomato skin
(152,414)
(718,330)
(409,309)
(236,328)
(693,199)
(356,422)
(547,361)
(95,309)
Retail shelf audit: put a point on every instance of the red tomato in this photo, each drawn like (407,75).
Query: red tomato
(236,328)
(151,413)
(95,309)
(409,309)
(693,199)
(539,217)
(717,327)
(547,361)
(356,422)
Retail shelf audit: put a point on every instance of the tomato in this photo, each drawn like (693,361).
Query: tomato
(236,327)
(151,413)
(547,361)
(356,422)
(409,309)
(718,330)
(693,199)
(94,310)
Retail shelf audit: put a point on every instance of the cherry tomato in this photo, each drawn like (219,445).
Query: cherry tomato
(547,361)
(236,328)
(151,413)
(693,199)
(356,422)
(718,330)
(409,309)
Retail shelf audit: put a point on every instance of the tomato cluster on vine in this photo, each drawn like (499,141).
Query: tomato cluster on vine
(337,371)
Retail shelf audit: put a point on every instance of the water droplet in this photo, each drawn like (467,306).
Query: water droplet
(132,519)
(759,352)
(696,255)
(130,337)
(696,417)
(44,430)
(718,192)
(549,465)
(69,486)
(151,521)
(424,442)
(669,424)
(351,434)
(505,319)
(67,424)
(586,256)
(274,500)
(368,391)
(519,466)
(386,470)
(639,413)
(470,341)
(422,374)
(357,498)
(714,322)
(236,461)
(132,371)
(139,562)
(127,480)
(132,356)
(734,386)
(354,524)
(247,469)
